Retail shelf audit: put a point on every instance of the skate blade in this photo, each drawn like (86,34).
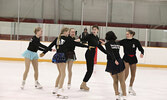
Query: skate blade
(133,94)
(22,88)
(62,97)
(54,93)
(38,87)
(84,90)
(68,88)
(118,98)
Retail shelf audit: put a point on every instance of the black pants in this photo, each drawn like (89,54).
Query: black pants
(90,54)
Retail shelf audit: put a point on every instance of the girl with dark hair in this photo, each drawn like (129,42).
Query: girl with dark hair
(115,65)
(130,45)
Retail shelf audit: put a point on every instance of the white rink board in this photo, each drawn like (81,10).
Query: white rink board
(14,49)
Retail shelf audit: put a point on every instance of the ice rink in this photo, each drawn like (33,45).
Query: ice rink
(150,84)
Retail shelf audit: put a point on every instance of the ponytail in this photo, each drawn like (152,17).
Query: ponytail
(37,29)
(58,41)
(131,32)
(65,29)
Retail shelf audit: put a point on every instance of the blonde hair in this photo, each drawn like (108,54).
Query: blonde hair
(64,29)
(37,29)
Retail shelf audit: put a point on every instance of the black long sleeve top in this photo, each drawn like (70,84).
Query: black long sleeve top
(113,48)
(65,43)
(94,41)
(73,44)
(35,45)
(130,46)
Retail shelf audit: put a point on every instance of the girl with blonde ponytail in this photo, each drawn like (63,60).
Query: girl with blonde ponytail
(62,43)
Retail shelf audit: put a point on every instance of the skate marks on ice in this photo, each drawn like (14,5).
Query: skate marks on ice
(150,83)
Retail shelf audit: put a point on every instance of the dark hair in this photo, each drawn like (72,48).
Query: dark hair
(110,35)
(95,26)
(85,28)
(131,32)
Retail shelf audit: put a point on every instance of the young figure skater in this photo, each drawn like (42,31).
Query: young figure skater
(115,65)
(93,41)
(130,45)
(62,43)
(31,55)
(71,57)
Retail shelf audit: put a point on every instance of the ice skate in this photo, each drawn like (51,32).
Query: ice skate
(84,86)
(22,85)
(69,86)
(55,90)
(61,95)
(124,98)
(131,91)
(38,85)
(118,97)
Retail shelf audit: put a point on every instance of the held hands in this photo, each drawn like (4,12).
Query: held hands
(53,50)
(90,47)
(42,54)
(141,55)
(102,42)
(116,62)
(77,40)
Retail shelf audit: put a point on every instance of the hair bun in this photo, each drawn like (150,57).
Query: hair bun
(37,29)
(131,32)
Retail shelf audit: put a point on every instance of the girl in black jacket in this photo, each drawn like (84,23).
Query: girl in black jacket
(61,43)
(115,65)
(71,56)
(130,45)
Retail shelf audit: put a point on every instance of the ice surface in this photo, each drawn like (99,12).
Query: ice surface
(150,83)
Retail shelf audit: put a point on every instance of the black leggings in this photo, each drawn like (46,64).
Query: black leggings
(90,54)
